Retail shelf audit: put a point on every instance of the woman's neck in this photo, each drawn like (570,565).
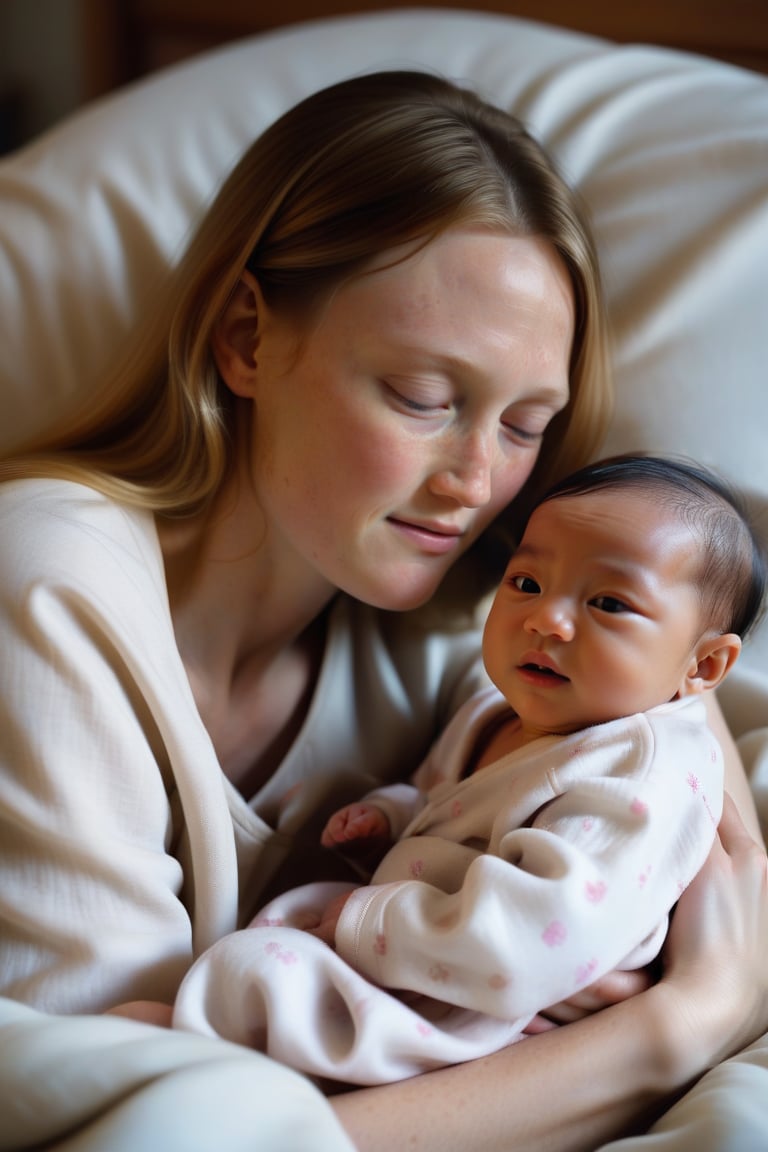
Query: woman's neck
(245,610)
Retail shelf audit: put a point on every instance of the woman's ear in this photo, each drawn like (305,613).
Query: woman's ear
(712,660)
(235,338)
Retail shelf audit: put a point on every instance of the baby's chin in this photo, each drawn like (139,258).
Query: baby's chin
(559,727)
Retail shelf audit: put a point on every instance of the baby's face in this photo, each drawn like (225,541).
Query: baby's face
(597,615)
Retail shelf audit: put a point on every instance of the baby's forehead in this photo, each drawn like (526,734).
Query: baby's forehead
(622,504)
(621,526)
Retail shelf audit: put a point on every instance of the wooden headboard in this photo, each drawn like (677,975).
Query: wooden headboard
(125,39)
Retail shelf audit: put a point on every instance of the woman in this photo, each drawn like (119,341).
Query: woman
(386,335)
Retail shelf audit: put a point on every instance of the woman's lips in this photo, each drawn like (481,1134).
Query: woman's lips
(433,538)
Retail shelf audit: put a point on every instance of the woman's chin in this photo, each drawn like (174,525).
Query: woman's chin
(404,598)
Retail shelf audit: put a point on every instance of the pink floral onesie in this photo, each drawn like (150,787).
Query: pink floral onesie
(508,891)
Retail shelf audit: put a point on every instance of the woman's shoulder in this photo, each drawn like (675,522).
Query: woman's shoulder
(37,498)
(50,526)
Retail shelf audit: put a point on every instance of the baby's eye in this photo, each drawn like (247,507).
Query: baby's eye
(610,604)
(525,584)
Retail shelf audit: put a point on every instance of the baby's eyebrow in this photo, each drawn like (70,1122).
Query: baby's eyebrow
(526,552)
(640,580)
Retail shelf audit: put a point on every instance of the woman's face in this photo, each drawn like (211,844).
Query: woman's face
(388,435)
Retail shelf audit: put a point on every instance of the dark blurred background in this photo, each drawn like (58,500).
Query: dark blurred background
(41,67)
(58,54)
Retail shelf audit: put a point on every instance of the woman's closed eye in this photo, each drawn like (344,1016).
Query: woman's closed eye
(524,435)
(420,400)
(527,420)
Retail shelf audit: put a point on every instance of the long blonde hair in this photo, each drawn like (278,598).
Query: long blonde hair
(348,173)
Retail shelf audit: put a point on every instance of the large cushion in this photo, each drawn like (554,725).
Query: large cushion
(669,150)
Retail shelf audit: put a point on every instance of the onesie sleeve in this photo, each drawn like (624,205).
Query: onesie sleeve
(401,803)
(619,824)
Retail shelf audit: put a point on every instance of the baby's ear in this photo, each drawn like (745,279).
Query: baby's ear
(712,660)
(236,337)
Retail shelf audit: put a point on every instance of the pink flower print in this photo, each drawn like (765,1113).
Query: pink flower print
(554,934)
(439,973)
(709,811)
(638,807)
(595,890)
(587,823)
(693,782)
(497,982)
(456,808)
(643,877)
(284,955)
(423,1028)
(380,944)
(585,971)
(417,868)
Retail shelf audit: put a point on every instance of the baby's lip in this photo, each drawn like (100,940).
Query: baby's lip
(540,661)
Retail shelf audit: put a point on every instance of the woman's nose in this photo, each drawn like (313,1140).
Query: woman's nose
(550,616)
(467,478)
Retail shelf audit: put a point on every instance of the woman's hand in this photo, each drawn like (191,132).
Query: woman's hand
(715,975)
(609,989)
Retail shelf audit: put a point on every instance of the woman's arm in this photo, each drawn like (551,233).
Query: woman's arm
(736,783)
(543,1094)
(106,768)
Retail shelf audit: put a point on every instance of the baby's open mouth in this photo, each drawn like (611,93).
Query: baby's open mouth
(541,670)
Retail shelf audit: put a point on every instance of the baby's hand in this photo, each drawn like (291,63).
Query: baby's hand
(326,929)
(355,822)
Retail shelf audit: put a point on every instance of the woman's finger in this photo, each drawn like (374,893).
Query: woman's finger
(715,976)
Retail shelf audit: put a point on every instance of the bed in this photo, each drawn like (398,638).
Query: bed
(670,150)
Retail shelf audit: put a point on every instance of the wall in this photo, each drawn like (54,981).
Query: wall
(40,66)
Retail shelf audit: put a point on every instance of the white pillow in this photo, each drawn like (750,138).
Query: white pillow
(670,151)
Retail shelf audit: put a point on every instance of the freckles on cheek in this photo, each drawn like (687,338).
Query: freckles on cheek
(373,462)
